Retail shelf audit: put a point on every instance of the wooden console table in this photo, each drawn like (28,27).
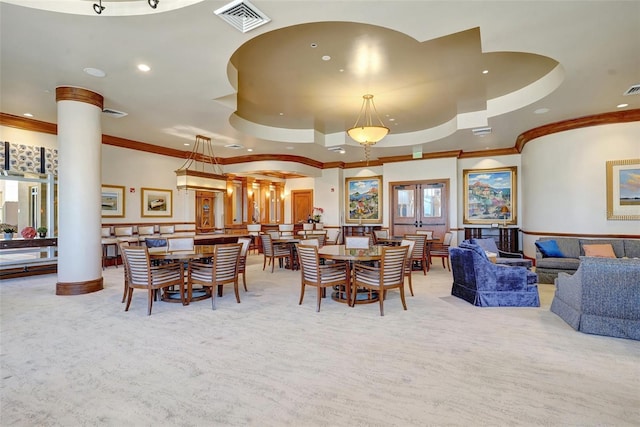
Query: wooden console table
(506,238)
(44,262)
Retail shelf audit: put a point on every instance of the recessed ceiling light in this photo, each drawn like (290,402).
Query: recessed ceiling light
(144,67)
(326,58)
(485,71)
(186,144)
(28,115)
(289,148)
(95,72)
(249,149)
(541,111)
(282,114)
(314,45)
(622,105)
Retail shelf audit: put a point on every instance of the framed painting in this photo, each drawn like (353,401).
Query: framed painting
(156,202)
(623,189)
(113,203)
(363,200)
(490,196)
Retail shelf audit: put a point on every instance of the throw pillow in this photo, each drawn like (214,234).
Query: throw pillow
(549,249)
(600,251)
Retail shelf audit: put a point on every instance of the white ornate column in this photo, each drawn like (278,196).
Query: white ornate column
(79,191)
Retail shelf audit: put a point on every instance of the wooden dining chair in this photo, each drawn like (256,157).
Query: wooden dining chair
(272,251)
(142,275)
(428,233)
(180,243)
(242,264)
(419,253)
(223,270)
(389,275)
(441,250)
(407,268)
(314,274)
(357,242)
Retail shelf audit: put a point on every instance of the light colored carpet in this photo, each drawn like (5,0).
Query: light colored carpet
(82,360)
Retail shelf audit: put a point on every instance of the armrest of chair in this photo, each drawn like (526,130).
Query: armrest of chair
(505,254)
(510,278)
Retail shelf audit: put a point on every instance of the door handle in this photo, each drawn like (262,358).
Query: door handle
(415,224)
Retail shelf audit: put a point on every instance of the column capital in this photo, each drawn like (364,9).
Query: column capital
(70,93)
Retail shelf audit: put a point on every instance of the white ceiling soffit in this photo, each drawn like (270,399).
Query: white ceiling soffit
(242,15)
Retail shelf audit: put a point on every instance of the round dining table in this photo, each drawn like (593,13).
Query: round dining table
(351,255)
(198,252)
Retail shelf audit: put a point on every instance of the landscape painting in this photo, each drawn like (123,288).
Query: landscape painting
(490,196)
(156,202)
(623,189)
(364,200)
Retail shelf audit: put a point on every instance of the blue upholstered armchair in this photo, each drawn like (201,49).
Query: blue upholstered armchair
(485,284)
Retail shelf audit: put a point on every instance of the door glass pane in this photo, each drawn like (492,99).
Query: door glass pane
(432,202)
(406,203)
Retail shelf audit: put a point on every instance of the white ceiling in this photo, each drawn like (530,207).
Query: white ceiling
(271,91)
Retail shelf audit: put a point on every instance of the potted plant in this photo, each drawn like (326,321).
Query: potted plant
(8,232)
(42,231)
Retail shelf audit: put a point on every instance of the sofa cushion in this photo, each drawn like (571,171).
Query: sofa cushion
(601,251)
(616,244)
(569,246)
(558,263)
(549,249)
(632,248)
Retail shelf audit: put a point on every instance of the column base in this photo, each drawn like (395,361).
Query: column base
(79,288)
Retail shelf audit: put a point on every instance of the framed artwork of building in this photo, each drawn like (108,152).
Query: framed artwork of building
(363,200)
(490,196)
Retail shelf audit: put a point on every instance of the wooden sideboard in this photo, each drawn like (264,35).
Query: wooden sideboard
(506,238)
(359,230)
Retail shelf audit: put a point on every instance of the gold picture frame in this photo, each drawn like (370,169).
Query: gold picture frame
(113,201)
(623,189)
(156,202)
(490,196)
(363,204)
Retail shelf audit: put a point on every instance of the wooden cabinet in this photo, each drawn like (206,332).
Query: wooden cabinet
(359,230)
(205,218)
(506,238)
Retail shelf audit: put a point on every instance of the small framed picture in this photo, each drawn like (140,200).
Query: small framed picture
(113,202)
(156,202)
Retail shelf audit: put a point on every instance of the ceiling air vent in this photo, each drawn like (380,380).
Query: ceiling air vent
(242,15)
(337,149)
(481,131)
(234,146)
(633,90)
(114,113)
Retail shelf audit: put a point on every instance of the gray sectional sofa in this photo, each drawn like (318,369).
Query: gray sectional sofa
(548,268)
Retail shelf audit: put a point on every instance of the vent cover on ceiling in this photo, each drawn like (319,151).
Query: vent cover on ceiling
(633,90)
(481,131)
(234,146)
(242,15)
(114,113)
